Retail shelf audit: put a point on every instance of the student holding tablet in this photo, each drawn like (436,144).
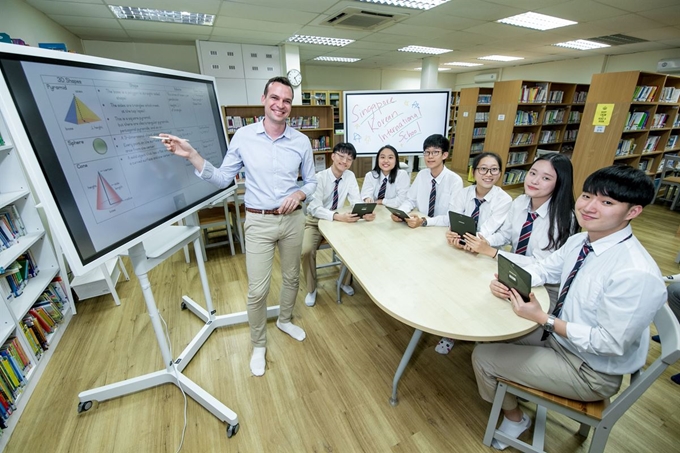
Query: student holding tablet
(611,289)
(433,188)
(334,185)
(386,184)
(486,203)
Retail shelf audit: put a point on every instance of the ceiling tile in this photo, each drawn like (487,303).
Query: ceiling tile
(194,6)
(100,34)
(89,22)
(669,15)
(161,37)
(267,13)
(581,10)
(637,5)
(502,31)
(255,25)
(480,10)
(72,8)
(313,6)
(409,30)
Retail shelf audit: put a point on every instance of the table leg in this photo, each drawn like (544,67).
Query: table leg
(343,272)
(402,365)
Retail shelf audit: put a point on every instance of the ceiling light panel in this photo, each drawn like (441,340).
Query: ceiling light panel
(536,21)
(338,59)
(321,40)
(427,50)
(581,44)
(159,15)
(411,4)
(462,63)
(500,58)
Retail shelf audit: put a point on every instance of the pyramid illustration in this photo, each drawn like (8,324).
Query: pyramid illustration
(106,195)
(80,113)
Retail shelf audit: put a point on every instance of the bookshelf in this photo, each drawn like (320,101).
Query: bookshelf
(33,296)
(644,124)
(319,128)
(453,114)
(471,125)
(529,118)
(330,97)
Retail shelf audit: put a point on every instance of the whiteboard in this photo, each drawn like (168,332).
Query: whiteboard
(403,119)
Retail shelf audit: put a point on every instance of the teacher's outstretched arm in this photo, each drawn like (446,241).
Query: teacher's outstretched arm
(182,148)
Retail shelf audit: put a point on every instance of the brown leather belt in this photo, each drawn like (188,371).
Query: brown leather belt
(268,211)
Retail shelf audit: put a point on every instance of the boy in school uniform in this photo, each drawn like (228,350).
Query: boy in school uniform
(610,290)
(434,187)
(334,185)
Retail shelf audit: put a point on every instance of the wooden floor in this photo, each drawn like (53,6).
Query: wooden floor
(326,394)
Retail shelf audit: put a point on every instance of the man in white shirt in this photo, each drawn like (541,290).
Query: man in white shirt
(599,330)
(434,187)
(334,185)
(273,155)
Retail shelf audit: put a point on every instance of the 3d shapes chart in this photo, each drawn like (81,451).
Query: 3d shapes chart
(80,113)
(106,195)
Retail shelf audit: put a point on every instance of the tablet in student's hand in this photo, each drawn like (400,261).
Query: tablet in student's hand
(399,213)
(514,277)
(461,224)
(362,209)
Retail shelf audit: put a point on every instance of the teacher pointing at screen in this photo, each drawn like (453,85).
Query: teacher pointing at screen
(273,154)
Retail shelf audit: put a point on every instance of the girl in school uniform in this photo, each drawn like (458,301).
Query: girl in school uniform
(485,202)
(386,184)
(539,221)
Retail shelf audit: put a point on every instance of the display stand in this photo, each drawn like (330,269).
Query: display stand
(161,247)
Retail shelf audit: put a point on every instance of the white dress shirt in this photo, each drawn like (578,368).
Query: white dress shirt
(492,213)
(611,301)
(448,186)
(271,166)
(395,193)
(511,228)
(322,200)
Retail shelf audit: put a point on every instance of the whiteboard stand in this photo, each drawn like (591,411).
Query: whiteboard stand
(171,240)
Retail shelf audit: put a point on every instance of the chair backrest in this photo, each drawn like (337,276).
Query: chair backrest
(671,164)
(669,331)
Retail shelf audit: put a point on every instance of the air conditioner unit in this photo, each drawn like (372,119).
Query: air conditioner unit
(486,78)
(361,19)
(668,66)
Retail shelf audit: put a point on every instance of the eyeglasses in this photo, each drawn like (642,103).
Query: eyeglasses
(344,157)
(484,170)
(431,153)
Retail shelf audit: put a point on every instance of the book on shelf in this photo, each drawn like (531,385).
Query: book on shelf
(669,94)
(514,176)
(481,116)
(476,147)
(555,97)
(659,120)
(626,147)
(570,135)
(319,163)
(672,142)
(484,99)
(479,132)
(526,118)
(522,138)
(574,117)
(651,143)
(549,137)
(542,152)
(554,116)
(534,94)
(517,157)
(645,164)
(580,97)
(644,93)
(636,121)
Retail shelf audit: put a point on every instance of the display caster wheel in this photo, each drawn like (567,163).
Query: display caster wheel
(183,305)
(394,401)
(232,430)
(84,406)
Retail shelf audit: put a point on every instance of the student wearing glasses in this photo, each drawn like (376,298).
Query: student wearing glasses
(335,185)
(434,187)
(486,203)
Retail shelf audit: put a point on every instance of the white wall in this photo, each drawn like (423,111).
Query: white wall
(347,78)
(171,56)
(20,20)
(643,61)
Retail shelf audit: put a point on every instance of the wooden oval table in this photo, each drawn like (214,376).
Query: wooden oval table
(416,277)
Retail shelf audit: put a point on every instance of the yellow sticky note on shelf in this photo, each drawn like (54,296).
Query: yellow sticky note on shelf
(603,114)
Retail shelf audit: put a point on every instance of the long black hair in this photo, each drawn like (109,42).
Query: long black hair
(393,173)
(561,210)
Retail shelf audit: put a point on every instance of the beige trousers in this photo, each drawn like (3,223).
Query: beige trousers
(310,244)
(543,365)
(264,232)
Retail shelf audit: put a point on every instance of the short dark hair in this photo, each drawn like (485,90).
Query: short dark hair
(622,183)
(478,158)
(278,79)
(437,141)
(345,148)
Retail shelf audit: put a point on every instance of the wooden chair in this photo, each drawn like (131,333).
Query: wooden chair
(669,181)
(601,415)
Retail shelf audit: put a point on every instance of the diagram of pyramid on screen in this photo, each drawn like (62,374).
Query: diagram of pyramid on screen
(106,195)
(80,113)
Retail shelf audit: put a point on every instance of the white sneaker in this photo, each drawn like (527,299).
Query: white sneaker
(511,429)
(310,299)
(671,278)
(347,290)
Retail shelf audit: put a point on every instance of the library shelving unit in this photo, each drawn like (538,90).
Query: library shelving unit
(17,311)
(320,131)
(644,124)
(530,118)
(330,97)
(453,114)
(471,125)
